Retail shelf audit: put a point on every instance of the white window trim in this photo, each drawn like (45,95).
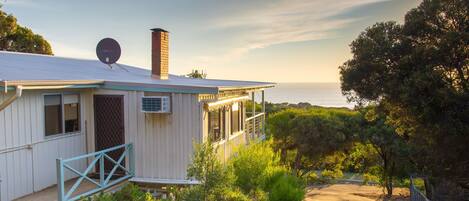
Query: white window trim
(63,133)
(236,134)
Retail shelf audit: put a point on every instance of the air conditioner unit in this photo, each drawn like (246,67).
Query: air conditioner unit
(156,104)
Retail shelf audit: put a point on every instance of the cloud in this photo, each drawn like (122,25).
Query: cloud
(22,3)
(283,22)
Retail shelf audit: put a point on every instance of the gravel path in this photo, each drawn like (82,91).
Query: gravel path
(351,192)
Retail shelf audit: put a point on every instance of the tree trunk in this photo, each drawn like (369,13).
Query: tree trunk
(283,155)
(428,187)
(297,165)
(390,176)
(389,187)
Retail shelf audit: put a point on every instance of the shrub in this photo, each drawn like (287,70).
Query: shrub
(332,174)
(370,178)
(253,164)
(216,180)
(130,192)
(233,195)
(312,177)
(286,188)
(259,195)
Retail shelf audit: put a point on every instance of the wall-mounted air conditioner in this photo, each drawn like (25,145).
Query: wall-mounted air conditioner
(156,104)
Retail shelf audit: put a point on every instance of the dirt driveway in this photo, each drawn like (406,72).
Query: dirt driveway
(351,192)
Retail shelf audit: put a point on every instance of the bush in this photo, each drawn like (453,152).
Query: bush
(331,174)
(234,195)
(129,192)
(252,165)
(254,173)
(259,195)
(370,178)
(216,180)
(312,178)
(286,188)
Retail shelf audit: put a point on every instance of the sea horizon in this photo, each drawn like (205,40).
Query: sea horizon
(326,94)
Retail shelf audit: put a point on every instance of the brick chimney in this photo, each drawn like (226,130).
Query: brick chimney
(159,53)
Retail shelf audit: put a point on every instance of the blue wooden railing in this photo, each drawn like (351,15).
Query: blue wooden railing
(104,181)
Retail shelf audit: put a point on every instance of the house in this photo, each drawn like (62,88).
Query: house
(56,110)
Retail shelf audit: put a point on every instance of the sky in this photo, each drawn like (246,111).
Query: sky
(263,40)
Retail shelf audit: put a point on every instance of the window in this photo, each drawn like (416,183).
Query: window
(236,117)
(216,119)
(53,114)
(62,113)
(71,113)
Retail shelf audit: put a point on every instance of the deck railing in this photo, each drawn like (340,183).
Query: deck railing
(255,126)
(104,180)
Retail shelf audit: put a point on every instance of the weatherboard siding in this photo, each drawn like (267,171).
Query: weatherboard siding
(27,157)
(163,143)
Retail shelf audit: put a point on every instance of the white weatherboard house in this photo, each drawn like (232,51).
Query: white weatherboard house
(53,109)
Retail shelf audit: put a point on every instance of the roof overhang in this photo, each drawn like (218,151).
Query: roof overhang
(7,85)
(248,88)
(159,88)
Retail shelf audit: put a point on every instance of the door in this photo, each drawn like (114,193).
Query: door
(109,127)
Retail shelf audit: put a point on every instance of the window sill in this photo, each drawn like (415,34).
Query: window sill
(235,135)
(218,143)
(61,135)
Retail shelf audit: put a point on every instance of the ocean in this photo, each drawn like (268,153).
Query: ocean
(322,94)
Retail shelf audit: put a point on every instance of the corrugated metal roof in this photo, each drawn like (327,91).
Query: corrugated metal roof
(27,68)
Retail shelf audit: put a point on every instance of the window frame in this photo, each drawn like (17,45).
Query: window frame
(221,123)
(62,94)
(240,119)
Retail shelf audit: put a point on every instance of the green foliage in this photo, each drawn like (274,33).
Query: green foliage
(252,164)
(390,148)
(197,74)
(259,195)
(14,37)
(253,173)
(370,178)
(332,174)
(312,133)
(216,180)
(419,72)
(286,187)
(130,192)
(312,177)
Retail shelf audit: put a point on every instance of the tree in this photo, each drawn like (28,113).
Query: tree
(312,133)
(280,127)
(14,37)
(420,72)
(197,74)
(390,147)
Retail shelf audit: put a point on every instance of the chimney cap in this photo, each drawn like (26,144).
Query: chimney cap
(159,30)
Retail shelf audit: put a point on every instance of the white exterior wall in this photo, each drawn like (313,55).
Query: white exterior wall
(163,143)
(232,141)
(27,157)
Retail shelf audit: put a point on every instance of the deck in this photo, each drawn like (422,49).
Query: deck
(50,194)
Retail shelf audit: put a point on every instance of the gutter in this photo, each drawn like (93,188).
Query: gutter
(20,88)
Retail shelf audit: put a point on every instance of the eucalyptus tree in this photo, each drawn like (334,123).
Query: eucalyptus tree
(14,37)
(420,72)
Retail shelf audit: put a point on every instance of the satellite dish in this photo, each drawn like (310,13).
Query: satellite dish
(108,51)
